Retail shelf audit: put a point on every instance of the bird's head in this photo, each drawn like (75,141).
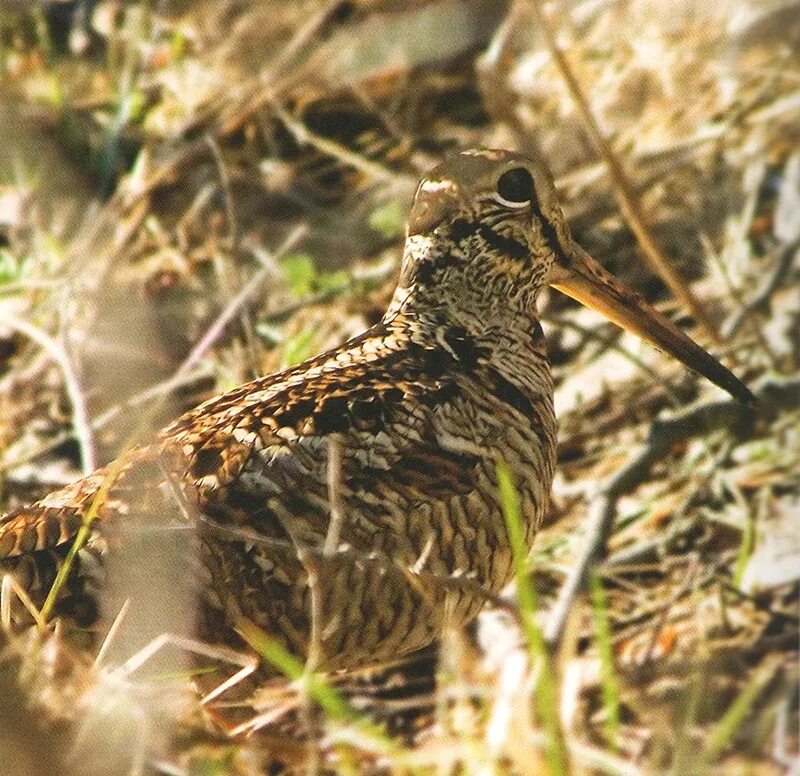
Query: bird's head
(486,233)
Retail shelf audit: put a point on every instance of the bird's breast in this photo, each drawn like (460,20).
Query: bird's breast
(498,419)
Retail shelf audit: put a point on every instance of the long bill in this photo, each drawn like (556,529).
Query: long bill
(582,278)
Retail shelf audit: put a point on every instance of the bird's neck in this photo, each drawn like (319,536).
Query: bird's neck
(509,340)
(425,322)
(503,350)
(436,293)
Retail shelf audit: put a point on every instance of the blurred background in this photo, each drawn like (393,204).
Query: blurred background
(196,192)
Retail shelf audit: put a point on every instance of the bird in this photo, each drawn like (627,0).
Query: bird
(349,504)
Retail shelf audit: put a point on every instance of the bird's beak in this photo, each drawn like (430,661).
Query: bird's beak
(581,277)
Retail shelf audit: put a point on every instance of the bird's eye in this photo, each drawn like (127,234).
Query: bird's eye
(515,186)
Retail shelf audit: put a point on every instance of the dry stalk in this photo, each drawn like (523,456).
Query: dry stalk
(233,246)
(303,135)
(143,398)
(611,341)
(80,414)
(244,295)
(694,421)
(750,307)
(233,119)
(334,497)
(313,661)
(628,201)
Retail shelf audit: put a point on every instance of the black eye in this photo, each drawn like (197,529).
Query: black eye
(516,185)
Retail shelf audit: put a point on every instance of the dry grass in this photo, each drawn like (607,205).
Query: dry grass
(194,192)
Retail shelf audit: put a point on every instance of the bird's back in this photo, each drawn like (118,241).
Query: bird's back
(396,434)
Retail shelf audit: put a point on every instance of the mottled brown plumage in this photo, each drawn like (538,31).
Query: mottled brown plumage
(420,409)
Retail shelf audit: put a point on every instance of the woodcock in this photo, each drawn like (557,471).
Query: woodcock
(418,411)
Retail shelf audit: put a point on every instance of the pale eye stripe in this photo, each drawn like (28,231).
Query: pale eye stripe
(509,204)
(437,186)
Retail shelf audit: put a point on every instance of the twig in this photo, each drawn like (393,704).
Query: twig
(9,586)
(334,497)
(98,423)
(773,395)
(233,246)
(156,391)
(188,372)
(622,186)
(247,663)
(234,306)
(80,415)
(313,661)
(421,578)
(737,297)
(303,135)
(264,93)
(225,180)
(764,293)
(370,279)
(676,595)
(119,619)
(611,342)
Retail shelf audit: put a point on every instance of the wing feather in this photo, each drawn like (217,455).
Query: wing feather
(258,454)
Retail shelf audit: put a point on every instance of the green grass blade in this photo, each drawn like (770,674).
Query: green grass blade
(333,704)
(81,537)
(610,689)
(545,695)
(737,713)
